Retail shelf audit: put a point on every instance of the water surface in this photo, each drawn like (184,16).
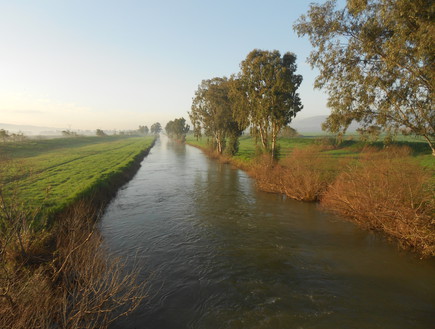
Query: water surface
(217,253)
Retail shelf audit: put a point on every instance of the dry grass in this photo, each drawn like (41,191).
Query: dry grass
(62,278)
(303,175)
(386,191)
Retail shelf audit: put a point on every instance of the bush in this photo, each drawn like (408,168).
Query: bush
(303,175)
(61,278)
(386,191)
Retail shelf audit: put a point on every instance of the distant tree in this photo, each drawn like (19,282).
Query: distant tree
(265,94)
(143,130)
(17,137)
(156,128)
(177,129)
(212,112)
(289,132)
(4,135)
(376,60)
(69,133)
(100,133)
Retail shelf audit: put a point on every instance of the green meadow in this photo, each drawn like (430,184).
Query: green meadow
(350,147)
(49,175)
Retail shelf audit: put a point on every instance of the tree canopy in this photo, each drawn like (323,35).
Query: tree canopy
(143,130)
(177,129)
(376,62)
(156,128)
(100,133)
(262,95)
(265,94)
(212,112)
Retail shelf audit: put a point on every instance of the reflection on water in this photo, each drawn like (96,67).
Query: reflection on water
(219,254)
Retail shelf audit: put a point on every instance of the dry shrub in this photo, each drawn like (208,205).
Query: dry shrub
(386,191)
(77,286)
(96,288)
(303,175)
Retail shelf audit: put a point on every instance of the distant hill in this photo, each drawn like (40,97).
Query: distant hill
(30,130)
(314,124)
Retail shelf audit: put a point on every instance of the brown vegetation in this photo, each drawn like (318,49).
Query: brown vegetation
(61,278)
(386,191)
(304,175)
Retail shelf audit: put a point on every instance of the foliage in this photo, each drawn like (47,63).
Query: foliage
(376,61)
(288,132)
(369,134)
(212,111)
(156,128)
(143,130)
(69,133)
(100,133)
(6,136)
(177,129)
(265,94)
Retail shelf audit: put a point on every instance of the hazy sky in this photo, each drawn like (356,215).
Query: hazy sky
(119,64)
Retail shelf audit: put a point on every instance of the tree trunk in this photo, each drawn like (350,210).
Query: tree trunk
(431,144)
(219,145)
(263,136)
(275,132)
(273,145)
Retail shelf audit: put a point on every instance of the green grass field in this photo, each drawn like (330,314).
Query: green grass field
(57,172)
(351,147)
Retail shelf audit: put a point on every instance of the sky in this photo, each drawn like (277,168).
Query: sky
(120,64)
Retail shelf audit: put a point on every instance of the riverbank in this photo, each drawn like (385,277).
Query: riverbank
(47,176)
(51,254)
(388,190)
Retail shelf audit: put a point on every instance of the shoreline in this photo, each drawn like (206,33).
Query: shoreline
(60,266)
(100,194)
(418,238)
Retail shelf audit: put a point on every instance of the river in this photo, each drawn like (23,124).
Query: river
(217,253)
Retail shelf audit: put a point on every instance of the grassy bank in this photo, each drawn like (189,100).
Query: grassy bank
(388,189)
(53,174)
(60,276)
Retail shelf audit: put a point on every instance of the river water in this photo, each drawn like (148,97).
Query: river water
(217,253)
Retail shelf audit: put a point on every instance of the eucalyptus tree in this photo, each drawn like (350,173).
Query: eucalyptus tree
(265,94)
(143,130)
(212,113)
(376,62)
(100,133)
(4,135)
(177,129)
(156,128)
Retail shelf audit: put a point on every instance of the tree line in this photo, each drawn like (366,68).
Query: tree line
(6,136)
(375,60)
(155,129)
(262,96)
